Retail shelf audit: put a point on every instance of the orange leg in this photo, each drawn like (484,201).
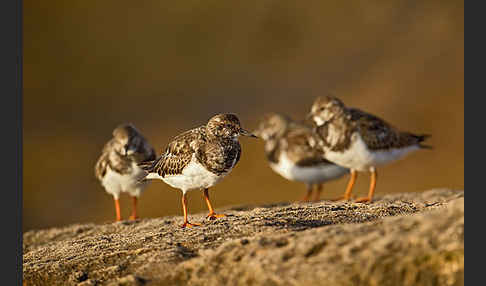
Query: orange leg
(349,188)
(317,193)
(184,209)
(308,194)
(134,209)
(212,215)
(117,209)
(371,192)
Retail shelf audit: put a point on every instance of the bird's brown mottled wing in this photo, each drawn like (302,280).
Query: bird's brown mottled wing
(179,152)
(237,151)
(101,166)
(378,134)
(219,156)
(272,150)
(301,146)
(119,164)
(111,159)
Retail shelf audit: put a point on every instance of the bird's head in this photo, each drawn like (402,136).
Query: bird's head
(325,108)
(272,125)
(128,138)
(226,126)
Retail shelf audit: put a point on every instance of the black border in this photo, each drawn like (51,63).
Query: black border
(19,100)
(474,116)
(473,111)
(11,118)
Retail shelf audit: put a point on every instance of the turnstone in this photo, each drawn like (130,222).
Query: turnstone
(199,158)
(290,148)
(117,168)
(358,140)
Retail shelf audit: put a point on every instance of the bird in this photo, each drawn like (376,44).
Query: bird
(290,148)
(117,168)
(359,140)
(199,158)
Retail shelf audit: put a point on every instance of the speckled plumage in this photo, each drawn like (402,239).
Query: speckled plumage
(117,168)
(216,149)
(376,133)
(199,158)
(292,151)
(282,134)
(358,140)
(126,139)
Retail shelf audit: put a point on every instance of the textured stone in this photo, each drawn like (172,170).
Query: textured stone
(400,239)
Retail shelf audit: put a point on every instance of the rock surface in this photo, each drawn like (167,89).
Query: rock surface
(399,239)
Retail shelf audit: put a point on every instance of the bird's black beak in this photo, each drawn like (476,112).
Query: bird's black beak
(247,133)
(256,133)
(125,148)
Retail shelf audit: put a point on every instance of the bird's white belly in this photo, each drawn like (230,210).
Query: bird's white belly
(194,177)
(115,183)
(360,158)
(310,175)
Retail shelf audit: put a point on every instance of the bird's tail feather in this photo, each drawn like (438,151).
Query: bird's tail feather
(148,167)
(421,138)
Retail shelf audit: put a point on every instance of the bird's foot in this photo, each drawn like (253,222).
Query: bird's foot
(213,216)
(364,200)
(133,217)
(188,224)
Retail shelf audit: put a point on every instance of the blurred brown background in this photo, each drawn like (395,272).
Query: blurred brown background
(168,66)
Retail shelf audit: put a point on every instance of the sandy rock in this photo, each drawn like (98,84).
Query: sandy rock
(400,239)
